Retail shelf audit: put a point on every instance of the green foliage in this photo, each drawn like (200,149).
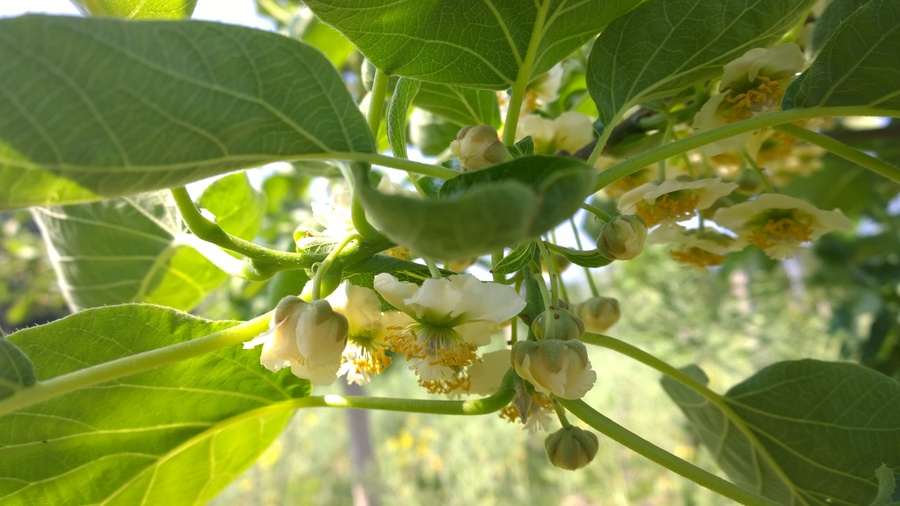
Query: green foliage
(518,259)
(524,197)
(405,92)
(488,40)
(463,106)
(836,12)
(663,46)
(16,369)
(175,434)
(138,9)
(130,249)
(857,65)
(767,433)
(136,112)
(239,208)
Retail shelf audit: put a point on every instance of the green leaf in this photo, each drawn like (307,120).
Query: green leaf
(858,66)
(103,107)
(238,207)
(525,147)
(801,432)
(588,258)
(663,46)
(518,258)
(431,133)
(836,12)
(16,369)
(524,198)
(488,40)
(174,435)
(463,106)
(333,45)
(138,9)
(404,93)
(131,249)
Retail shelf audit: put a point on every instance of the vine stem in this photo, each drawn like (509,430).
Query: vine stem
(695,141)
(604,137)
(842,150)
(326,264)
(126,366)
(587,272)
(767,183)
(596,211)
(210,231)
(700,389)
(376,101)
(649,450)
(524,76)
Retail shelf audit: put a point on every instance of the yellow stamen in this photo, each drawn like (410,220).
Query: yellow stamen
(792,230)
(697,256)
(446,386)
(676,206)
(746,104)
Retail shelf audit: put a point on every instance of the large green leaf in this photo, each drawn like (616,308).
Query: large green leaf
(664,46)
(105,107)
(174,435)
(483,211)
(836,12)
(473,43)
(818,431)
(858,66)
(16,369)
(463,106)
(138,9)
(130,249)
(239,208)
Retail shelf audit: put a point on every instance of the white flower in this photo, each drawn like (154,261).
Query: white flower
(364,354)
(702,248)
(307,337)
(570,131)
(478,147)
(486,375)
(335,215)
(555,367)
(751,85)
(673,199)
(779,224)
(453,317)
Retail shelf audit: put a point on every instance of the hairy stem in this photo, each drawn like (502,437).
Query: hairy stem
(524,76)
(649,450)
(376,101)
(126,366)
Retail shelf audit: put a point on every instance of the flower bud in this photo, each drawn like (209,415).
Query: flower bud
(566,326)
(308,337)
(478,147)
(571,448)
(555,367)
(622,237)
(598,313)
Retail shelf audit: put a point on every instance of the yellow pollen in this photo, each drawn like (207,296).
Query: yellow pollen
(446,386)
(460,354)
(697,256)
(370,359)
(404,342)
(781,230)
(510,412)
(667,207)
(769,91)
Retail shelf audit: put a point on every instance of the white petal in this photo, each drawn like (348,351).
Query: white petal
(395,292)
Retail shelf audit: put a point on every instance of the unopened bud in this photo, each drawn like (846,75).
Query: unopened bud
(571,448)
(554,367)
(478,147)
(598,313)
(565,326)
(622,237)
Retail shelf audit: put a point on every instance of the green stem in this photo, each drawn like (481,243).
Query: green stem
(264,261)
(700,389)
(376,101)
(759,171)
(587,272)
(126,366)
(551,271)
(604,137)
(563,291)
(561,413)
(649,450)
(422,169)
(496,258)
(524,76)
(277,12)
(545,296)
(842,150)
(596,211)
(326,264)
(432,268)
(654,155)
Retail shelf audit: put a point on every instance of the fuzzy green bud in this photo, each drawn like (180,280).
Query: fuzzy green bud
(598,313)
(571,448)
(622,237)
(565,326)
(478,147)
(554,366)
